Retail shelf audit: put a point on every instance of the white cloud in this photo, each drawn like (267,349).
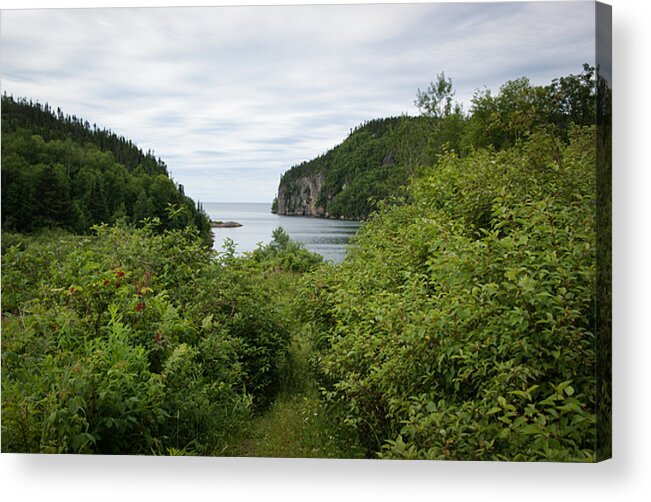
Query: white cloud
(230,97)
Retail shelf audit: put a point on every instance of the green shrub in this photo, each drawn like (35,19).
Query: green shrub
(283,253)
(460,326)
(133,341)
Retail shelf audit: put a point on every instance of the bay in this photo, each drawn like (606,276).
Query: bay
(327,237)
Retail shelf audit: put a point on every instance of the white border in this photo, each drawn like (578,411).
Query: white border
(71,478)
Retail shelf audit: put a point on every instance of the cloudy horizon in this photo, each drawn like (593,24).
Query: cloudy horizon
(231,97)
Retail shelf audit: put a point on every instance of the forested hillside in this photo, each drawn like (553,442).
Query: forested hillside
(379,157)
(59,171)
(341,181)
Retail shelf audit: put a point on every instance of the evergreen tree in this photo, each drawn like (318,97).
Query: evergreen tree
(143,208)
(53,201)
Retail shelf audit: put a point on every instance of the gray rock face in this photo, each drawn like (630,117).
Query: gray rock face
(388,160)
(299,197)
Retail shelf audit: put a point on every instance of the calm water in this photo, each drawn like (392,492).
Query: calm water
(326,237)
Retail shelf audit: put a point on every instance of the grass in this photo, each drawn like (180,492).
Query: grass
(298,424)
(296,427)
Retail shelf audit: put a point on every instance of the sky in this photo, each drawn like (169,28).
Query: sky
(231,97)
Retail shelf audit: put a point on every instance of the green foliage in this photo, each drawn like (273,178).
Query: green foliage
(460,326)
(437,100)
(282,253)
(59,172)
(133,341)
(521,108)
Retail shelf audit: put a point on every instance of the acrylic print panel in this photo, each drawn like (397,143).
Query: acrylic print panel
(452,153)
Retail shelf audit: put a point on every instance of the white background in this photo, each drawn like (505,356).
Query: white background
(626,477)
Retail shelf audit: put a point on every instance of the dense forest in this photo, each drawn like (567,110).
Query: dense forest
(380,156)
(59,171)
(461,324)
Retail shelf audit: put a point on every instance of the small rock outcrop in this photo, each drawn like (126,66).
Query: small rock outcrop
(225,224)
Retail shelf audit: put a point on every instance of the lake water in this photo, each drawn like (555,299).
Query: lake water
(327,237)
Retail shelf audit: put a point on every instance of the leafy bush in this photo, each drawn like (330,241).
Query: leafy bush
(283,253)
(460,326)
(133,341)
(65,393)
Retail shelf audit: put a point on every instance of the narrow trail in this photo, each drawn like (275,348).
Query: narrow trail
(297,425)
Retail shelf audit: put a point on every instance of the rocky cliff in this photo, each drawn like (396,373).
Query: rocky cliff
(301,197)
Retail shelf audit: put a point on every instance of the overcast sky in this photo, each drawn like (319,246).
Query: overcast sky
(231,97)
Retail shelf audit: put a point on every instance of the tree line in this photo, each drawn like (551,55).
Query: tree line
(59,171)
(379,156)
